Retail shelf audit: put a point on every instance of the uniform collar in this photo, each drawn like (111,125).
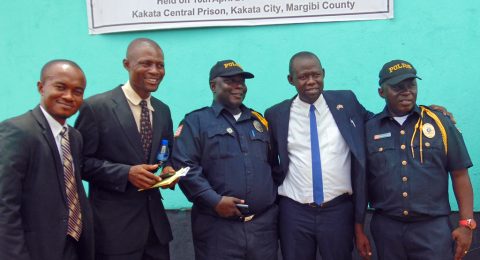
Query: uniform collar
(386,114)
(133,97)
(218,108)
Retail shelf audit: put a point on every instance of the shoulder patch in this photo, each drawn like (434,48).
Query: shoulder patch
(260,118)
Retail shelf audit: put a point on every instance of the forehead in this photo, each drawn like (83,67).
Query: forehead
(65,73)
(145,51)
(306,63)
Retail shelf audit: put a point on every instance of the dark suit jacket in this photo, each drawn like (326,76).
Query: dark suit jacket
(33,204)
(345,108)
(112,145)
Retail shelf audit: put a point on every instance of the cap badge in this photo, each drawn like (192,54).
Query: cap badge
(428,130)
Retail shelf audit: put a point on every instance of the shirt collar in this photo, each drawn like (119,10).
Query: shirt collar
(218,108)
(133,97)
(306,106)
(55,126)
(386,114)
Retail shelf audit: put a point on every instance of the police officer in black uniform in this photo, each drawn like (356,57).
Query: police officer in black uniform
(226,147)
(410,152)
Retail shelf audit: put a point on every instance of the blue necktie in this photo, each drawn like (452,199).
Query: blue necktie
(316,161)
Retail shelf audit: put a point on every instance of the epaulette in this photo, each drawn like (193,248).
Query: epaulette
(196,110)
(177,132)
(260,118)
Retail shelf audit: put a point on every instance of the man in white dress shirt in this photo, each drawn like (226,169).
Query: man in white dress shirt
(318,140)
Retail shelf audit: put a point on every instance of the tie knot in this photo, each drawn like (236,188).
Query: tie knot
(312,108)
(64,131)
(143,103)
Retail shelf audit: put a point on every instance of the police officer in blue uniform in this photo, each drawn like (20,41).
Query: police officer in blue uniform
(410,152)
(226,146)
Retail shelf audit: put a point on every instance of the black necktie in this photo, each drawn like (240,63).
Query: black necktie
(145,130)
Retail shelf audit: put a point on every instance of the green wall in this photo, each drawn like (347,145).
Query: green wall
(437,36)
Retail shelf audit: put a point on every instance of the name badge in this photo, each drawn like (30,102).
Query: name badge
(381,136)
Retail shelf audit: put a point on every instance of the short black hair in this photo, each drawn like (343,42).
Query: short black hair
(51,63)
(302,54)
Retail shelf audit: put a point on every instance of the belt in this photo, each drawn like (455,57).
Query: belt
(246,218)
(330,203)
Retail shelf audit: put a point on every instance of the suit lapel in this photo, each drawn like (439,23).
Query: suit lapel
(157,130)
(283,118)
(123,113)
(47,134)
(339,113)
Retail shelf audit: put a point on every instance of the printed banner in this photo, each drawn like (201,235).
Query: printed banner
(106,16)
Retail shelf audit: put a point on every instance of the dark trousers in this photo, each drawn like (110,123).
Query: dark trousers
(153,250)
(216,238)
(426,239)
(304,229)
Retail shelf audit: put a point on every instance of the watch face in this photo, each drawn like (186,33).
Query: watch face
(471,223)
(468,223)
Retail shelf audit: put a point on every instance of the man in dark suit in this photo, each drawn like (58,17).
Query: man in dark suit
(318,138)
(123,129)
(44,212)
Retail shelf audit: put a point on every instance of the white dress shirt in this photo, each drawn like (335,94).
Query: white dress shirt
(134,102)
(334,153)
(56,128)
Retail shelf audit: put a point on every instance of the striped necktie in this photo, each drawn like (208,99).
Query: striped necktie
(316,161)
(146,132)
(73,203)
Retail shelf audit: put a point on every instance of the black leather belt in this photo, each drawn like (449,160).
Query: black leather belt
(330,203)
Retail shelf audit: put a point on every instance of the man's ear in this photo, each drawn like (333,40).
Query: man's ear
(213,86)
(126,64)
(290,79)
(381,92)
(40,87)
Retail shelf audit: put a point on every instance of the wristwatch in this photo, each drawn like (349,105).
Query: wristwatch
(468,223)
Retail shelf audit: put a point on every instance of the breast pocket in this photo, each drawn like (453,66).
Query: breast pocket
(379,154)
(221,143)
(433,152)
(260,143)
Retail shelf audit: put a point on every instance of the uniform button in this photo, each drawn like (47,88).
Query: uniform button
(405,212)
(404,179)
(405,194)
(404,163)
(427,144)
(380,149)
(402,132)
(402,147)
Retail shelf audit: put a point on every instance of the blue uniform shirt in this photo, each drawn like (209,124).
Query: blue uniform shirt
(399,184)
(226,158)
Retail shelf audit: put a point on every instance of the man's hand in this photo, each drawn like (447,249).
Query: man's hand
(444,111)
(141,176)
(168,170)
(362,243)
(463,239)
(227,207)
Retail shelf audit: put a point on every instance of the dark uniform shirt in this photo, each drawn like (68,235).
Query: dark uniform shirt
(399,184)
(226,158)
